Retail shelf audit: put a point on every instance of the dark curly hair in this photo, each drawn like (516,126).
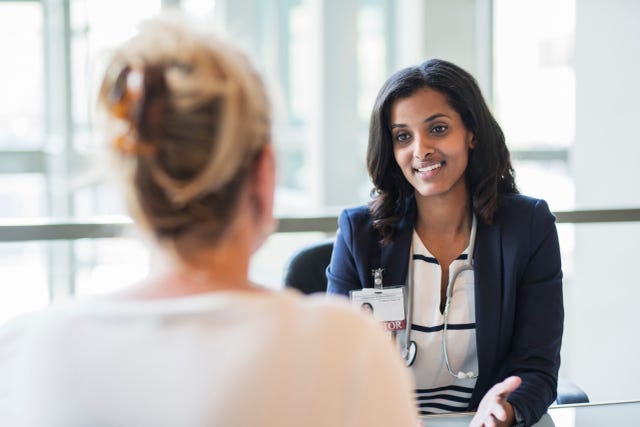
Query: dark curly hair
(489,171)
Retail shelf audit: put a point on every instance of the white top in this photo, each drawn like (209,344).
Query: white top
(437,390)
(219,359)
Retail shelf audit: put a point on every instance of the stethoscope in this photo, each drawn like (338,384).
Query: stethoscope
(410,349)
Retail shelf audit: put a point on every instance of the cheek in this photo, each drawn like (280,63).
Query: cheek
(460,152)
(463,160)
(464,163)
(400,155)
(467,155)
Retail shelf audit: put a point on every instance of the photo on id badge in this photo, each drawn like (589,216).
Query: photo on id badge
(385,305)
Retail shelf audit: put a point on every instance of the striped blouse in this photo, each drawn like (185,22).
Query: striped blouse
(437,390)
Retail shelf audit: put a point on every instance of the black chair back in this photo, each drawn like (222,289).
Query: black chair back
(306,268)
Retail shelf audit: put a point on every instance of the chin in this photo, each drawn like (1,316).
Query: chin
(434,192)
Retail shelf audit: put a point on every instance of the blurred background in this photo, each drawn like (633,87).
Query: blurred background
(560,76)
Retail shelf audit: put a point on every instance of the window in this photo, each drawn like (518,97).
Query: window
(534,93)
(52,158)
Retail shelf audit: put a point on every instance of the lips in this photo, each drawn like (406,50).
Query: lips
(430,168)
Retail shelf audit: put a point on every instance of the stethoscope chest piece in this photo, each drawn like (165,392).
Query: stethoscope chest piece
(409,353)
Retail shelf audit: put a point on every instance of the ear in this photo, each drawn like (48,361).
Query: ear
(264,185)
(471,141)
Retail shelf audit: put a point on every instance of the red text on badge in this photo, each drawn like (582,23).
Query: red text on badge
(394,325)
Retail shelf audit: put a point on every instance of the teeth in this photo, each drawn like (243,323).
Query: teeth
(430,168)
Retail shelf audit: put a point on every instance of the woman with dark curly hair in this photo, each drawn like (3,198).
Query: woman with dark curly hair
(480,263)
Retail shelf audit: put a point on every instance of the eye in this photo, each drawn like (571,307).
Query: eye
(439,129)
(401,137)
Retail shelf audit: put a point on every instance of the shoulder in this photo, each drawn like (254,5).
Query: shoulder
(24,332)
(355,228)
(348,348)
(356,217)
(17,328)
(520,203)
(21,348)
(325,319)
(331,322)
(326,311)
(527,222)
(518,208)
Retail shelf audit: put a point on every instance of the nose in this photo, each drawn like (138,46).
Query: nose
(422,147)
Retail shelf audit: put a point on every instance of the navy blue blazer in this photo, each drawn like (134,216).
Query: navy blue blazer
(518,291)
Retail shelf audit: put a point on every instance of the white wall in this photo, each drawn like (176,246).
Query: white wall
(602,350)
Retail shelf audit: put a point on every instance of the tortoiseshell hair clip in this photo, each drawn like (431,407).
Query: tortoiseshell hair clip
(123,102)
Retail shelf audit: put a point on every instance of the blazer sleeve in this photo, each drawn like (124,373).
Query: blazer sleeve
(342,273)
(539,317)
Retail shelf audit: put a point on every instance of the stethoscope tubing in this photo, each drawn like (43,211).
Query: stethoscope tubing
(411,345)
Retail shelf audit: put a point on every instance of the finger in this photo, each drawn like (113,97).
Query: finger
(490,422)
(499,411)
(507,386)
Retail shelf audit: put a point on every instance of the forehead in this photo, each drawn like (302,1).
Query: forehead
(419,105)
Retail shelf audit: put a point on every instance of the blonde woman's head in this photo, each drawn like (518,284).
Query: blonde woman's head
(188,118)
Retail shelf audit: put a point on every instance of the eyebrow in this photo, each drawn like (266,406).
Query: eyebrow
(427,120)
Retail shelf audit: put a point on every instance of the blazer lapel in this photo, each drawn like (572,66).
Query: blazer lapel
(394,257)
(488,304)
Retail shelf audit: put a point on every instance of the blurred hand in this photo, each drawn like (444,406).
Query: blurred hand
(494,410)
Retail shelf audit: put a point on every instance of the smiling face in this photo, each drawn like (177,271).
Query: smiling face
(430,144)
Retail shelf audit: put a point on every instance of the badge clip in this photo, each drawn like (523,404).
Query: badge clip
(377,277)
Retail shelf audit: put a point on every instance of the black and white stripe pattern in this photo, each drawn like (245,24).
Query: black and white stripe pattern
(438,391)
(445,399)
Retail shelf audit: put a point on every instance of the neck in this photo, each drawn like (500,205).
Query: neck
(223,267)
(444,215)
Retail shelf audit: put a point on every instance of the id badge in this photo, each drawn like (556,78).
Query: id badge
(385,305)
